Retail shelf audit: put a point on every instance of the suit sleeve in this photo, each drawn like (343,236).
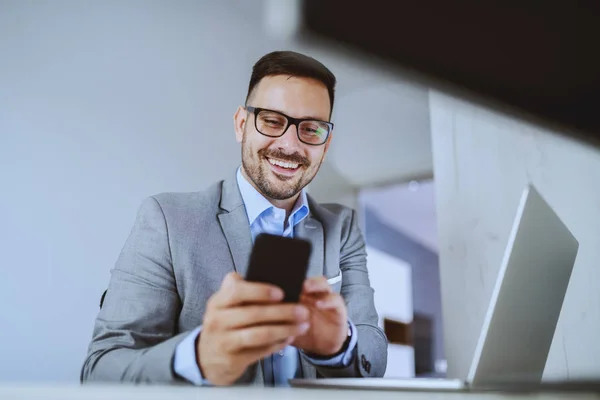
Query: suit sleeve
(135,334)
(370,352)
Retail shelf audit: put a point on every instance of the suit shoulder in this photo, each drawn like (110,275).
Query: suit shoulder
(204,199)
(342,220)
(335,210)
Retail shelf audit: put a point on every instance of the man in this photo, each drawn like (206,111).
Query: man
(178,309)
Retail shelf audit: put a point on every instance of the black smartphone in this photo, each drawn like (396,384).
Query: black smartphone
(280,261)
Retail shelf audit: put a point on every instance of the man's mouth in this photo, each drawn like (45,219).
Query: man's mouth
(283,169)
(283,164)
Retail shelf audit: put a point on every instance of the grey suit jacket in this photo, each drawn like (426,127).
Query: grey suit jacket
(178,252)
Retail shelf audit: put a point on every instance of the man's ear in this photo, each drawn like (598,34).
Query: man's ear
(239,123)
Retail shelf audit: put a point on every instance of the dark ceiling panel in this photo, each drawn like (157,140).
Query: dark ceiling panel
(541,57)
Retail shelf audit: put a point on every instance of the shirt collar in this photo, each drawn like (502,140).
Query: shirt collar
(256,204)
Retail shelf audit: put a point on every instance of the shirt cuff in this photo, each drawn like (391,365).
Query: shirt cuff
(342,359)
(184,360)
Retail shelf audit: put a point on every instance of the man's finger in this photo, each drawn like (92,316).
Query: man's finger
(232,277)
(250,356)
(236,291)
(329,302)
(311,298)
(316,285)
(240,317)
(263,336)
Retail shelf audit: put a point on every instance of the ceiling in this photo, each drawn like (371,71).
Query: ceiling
(535,59)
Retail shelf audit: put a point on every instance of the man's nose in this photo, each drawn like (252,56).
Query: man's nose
(289,140)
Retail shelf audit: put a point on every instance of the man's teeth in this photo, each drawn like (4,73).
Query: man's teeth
(283,164)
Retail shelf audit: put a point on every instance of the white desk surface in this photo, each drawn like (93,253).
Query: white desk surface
(128,392)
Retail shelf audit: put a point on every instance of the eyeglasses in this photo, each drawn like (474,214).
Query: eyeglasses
(275,124)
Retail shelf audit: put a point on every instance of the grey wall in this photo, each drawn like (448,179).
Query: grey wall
(424,270)
(102,104)
(483,159)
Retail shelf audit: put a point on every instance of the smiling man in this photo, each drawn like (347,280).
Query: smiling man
(177,308)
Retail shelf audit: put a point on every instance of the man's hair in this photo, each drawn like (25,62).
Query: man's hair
(293,64)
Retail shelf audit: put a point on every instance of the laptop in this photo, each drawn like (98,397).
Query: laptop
(522,315)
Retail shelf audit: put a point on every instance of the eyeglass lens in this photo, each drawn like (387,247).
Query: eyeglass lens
(273,124)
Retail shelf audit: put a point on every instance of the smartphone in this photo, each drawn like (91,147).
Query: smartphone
(280,261)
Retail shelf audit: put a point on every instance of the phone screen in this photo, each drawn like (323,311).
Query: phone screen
(280,261)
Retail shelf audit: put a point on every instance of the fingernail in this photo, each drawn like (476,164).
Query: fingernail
(276,294)
(301,312)
(303,327)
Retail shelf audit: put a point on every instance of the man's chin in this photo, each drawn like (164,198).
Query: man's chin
(280,190)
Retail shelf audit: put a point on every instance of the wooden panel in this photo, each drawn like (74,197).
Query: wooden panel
(398,332)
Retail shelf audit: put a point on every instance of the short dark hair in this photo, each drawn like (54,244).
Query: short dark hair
(293,64)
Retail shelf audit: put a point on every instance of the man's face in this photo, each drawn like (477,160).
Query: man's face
(280,167)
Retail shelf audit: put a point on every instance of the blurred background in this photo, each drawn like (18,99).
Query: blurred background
(105,103)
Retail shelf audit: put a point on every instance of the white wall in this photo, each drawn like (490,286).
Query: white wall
(391,280)
(482,161)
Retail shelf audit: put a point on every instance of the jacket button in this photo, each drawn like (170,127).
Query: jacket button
(366,364)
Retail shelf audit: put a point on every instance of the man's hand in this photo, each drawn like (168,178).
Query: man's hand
(243,323)
(328,319)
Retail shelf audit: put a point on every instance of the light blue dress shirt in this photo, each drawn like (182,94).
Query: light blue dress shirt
(280,367)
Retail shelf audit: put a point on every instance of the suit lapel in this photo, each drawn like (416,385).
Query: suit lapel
(312,230)
(235,226)
(237,232)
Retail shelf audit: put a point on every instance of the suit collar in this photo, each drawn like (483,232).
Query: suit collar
(311,229)
(234,223)
(236,228)
(256,204)
(231,198)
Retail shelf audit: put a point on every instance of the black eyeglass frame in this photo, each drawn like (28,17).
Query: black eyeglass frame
(290,121)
